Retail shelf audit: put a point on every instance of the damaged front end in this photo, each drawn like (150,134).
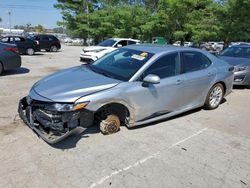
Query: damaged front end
(50,124)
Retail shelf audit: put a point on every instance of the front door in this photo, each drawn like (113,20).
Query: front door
(158,99)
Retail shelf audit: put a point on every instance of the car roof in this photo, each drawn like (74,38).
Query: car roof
(13,36)
(118,39)
(154,48)
(241,45)
(47,35)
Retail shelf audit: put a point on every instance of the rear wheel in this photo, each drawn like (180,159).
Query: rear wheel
(1,68)
(53,48)
(248,86)
(110,125)
(30,51)
(214,97)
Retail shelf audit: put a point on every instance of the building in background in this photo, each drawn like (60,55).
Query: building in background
(4,31)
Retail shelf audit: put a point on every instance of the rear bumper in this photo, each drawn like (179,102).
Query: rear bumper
(12,62)
(52,127)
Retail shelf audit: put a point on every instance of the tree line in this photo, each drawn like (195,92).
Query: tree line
(184,20)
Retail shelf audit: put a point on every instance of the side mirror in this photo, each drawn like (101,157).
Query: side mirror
(150,79)
(119,45)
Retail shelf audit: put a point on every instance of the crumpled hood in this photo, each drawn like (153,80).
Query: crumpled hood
(235,61)
(70,84)
(96,48)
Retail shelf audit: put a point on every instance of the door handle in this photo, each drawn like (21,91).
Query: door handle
(178,82)
(210,74)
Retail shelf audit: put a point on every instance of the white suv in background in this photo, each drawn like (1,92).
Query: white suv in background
(217,46)
(92,53)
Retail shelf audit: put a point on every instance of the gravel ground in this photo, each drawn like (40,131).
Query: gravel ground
(196,149)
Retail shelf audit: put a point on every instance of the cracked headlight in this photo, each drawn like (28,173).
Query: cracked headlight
(60,107)
(242,68)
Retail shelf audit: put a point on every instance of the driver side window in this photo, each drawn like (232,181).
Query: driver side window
(122,43)
(166,66)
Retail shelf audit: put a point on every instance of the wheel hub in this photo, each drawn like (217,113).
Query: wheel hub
(215,96)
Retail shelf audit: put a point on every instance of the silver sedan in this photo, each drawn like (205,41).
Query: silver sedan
(133,85)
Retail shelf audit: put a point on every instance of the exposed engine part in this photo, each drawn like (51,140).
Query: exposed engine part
(110,125)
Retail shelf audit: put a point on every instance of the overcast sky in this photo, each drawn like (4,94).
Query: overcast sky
(29,11)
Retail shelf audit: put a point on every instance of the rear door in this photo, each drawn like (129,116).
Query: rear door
(44,42)
(199,76)
(20,42)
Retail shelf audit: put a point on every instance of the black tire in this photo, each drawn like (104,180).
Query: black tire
(1,68)
(110,125)
(53,48)
(47,50)
(30,51)
(248,86)
(214,97)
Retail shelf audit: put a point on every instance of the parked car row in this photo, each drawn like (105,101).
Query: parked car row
(12,46)
(30,45)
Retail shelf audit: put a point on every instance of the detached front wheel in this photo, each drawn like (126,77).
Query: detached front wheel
(110,125)
(214,97)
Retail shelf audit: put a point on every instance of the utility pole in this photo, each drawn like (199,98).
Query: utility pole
(9,20)
(87,6)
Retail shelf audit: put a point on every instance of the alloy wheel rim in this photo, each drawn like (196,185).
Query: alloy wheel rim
(30,51)
(54,48)
(216,96)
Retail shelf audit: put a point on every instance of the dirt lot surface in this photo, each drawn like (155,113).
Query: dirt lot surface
(196,149)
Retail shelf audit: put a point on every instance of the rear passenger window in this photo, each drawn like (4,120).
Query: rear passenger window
(166,66)
(45,38)
(194,61)
(5,39)
(17,39)
(131,42)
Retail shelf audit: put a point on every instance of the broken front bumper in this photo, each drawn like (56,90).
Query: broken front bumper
(52,126)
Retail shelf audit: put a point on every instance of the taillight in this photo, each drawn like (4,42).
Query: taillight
(15,50)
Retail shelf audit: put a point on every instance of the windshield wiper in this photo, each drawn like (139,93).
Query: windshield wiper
(105,74)
(100,72)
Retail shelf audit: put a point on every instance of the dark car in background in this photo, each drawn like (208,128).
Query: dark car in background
(50,43)
(24,45)
(9,57)
(239,57)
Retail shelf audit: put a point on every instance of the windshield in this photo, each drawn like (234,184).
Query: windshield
(109,42)
(121,64)
(237,52)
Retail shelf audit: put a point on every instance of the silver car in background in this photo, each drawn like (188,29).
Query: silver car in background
(239,57)
(133,85)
